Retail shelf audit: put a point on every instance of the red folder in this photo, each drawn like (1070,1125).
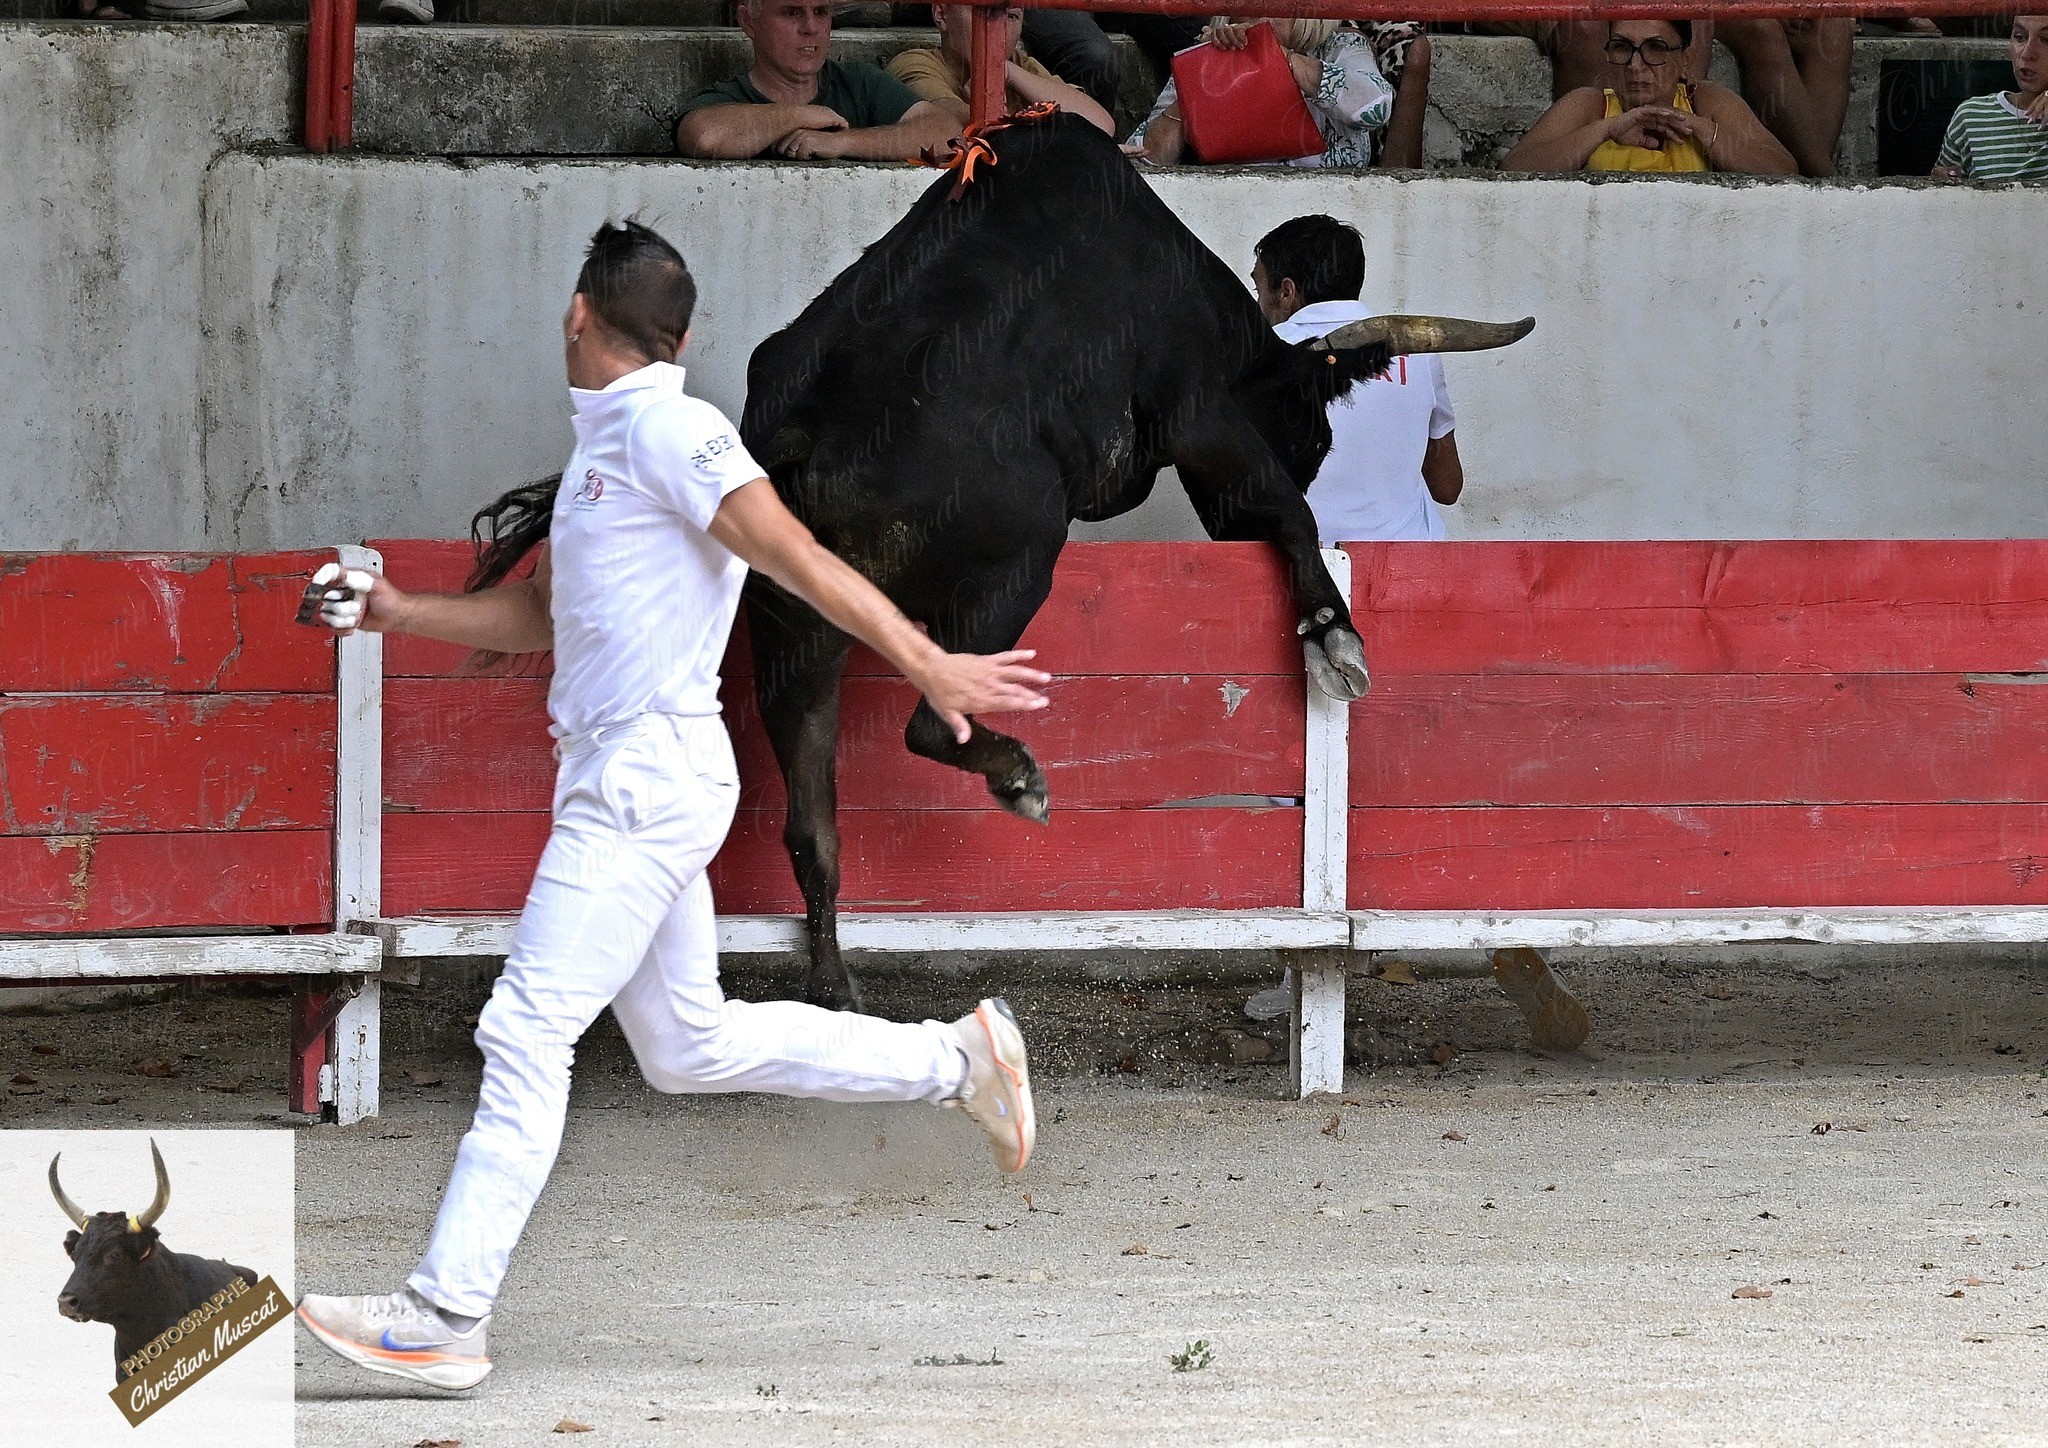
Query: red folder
(1243,105)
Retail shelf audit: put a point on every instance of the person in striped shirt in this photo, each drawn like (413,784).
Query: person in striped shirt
(2004,136)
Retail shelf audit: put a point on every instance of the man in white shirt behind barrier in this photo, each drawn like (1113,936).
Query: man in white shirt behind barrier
(1392,469)
(657,518)
(1393,448)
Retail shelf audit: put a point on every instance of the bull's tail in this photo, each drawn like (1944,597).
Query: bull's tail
(506,531)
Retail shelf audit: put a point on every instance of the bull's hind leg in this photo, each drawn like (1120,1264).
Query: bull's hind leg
(798,658)
(988,621)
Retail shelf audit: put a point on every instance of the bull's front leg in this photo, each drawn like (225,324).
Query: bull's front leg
(1242,494)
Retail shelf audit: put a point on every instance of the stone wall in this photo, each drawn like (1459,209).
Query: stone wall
(213,346)
(1712,359)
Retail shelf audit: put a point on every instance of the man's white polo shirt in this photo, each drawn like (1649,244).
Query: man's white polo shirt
(1370,487)
(644,597)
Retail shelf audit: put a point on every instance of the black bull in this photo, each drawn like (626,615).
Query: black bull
(122,1273)
(995,367)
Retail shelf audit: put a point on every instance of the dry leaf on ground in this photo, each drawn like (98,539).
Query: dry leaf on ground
(1398,972)
(570,1425)
(1137,1249)
(1454,1136)
(438,1443)
(1334,1126)
(428,1078)
(1750,1292)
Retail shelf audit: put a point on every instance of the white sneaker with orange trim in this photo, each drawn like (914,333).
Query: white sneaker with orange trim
(400,1334)
(997,1094)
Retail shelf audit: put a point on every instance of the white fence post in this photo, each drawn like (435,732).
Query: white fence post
(351,1080)
(1316,1034)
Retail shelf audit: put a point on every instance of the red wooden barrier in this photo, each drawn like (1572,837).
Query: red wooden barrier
(1179,680)
(166,746)
(1701,725)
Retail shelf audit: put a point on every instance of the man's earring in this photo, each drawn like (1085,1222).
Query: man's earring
(574,338)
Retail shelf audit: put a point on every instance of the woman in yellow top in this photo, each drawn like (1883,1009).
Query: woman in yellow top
(938,75)
(1652,118)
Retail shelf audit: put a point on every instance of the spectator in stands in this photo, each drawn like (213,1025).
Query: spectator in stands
(1076,44)
(1795,73)
(2004,136)
(1650,117)
(795,102)
(1393,461)
(941,74)
(1340,72)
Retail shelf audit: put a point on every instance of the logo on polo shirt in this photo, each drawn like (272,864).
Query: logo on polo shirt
(591,489)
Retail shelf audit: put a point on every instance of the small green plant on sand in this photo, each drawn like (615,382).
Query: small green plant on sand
(1194,1357)
(958,1360)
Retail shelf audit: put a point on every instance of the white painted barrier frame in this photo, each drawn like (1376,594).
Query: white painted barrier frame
(1321,940)
(349,1080)
(1315,936)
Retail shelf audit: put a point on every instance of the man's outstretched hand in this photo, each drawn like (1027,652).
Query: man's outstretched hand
(957,685)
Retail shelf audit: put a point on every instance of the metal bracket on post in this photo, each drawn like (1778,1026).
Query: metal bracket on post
(988,91)
(316,1004)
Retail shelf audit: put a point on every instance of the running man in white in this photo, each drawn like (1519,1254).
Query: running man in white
(659,515)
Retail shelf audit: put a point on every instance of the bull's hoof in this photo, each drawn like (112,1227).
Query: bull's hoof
(1024,794)
(1336,664)
(833,993)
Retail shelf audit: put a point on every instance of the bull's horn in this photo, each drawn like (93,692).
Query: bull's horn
(71,1209)
(163,1190)
(1407,336)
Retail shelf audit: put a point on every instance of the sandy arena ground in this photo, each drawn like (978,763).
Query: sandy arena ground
(1765,1207)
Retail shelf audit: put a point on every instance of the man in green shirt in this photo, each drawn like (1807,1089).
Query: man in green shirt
(794,102)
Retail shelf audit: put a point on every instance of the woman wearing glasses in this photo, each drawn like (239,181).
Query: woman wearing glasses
(1649,117)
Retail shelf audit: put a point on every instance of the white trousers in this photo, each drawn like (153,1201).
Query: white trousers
(620,915)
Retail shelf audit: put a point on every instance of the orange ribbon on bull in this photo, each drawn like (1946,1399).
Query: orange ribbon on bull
(970,148)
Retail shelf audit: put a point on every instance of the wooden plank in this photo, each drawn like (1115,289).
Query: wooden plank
(1053,931)
(1710,857)
(357,1043)
(79,883)
(175,957)
(124,763)
(1315,1056)
(182,623)
(1326,779)
(1640,930)
(1197,858)
(482,744)
(1115,608)
(1699,739)
(1688,607)
(358,768)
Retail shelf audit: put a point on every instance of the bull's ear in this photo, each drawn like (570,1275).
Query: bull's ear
(140,1242)
(71,1243)
(1336,370)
